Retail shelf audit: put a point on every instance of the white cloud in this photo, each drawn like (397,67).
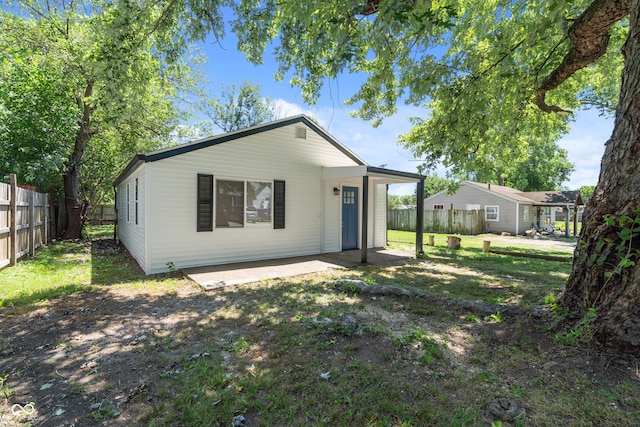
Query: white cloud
(377,146)
(285,109)
(402,189)
(585,147)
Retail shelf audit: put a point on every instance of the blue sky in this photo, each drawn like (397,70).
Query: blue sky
(377,146)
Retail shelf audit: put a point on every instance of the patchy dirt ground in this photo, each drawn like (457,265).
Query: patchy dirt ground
(101,358)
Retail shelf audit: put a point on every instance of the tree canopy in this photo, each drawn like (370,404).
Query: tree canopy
(476,67)
(495,79)
(85,86)
(236,108)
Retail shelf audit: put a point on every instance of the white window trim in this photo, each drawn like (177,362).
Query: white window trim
(128,202)
(245,182)
(136,206)
(486,213)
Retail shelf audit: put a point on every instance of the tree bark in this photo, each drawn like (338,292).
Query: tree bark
(616,299)
(75,208)
(589,37)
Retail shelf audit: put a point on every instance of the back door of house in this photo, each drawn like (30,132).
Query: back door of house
(349,218)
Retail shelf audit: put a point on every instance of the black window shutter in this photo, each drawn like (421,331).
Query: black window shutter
(205,202)
(278,204)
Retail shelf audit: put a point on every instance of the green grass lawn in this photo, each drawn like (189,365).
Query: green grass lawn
(536,278)
(278,353)
(64,268)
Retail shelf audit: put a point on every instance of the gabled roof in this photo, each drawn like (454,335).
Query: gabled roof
(565,197)
(232,136)
(538,198)
(508,192)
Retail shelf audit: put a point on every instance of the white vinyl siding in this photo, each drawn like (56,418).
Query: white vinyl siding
(132,235)
(332,217)
(379,211)
(271,155)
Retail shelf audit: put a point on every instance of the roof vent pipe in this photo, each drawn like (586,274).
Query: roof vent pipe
(489,184)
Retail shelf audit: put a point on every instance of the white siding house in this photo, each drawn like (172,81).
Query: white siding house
(282,189)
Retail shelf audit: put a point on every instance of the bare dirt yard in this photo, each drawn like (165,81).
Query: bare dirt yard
(306,352)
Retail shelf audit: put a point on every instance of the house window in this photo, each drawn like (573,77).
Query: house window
(525,214)
(491,213)
(349,197)
(438,207)
(258,210)
(136,200)
(239,203)
(229,203)
(128,202)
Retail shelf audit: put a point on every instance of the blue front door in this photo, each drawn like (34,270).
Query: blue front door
(349,218)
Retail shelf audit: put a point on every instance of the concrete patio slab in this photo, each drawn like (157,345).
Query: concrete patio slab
(216,276)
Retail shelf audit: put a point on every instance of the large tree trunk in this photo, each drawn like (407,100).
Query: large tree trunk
(73,206)
(593,282)
(76,209)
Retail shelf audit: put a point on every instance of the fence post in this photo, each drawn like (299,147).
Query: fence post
(45,219)
(32,222)
(13,212)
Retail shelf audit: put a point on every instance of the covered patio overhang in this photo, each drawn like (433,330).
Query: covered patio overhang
(567,208)
(373,176)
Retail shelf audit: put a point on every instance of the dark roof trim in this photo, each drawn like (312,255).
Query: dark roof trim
(403,174)
(137,160)
(231,136)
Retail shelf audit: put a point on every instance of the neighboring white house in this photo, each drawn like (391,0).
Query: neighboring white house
(281,189)
(507,209)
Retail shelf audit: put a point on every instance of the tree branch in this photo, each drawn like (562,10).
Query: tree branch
(497,62)
(369,8)
(162,16)
(589,37)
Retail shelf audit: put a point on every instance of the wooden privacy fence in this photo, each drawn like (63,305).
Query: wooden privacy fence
(24,221)
(438,221)
(103,214)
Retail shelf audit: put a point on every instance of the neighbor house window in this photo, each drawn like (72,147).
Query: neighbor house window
(259,195)
(491,213)
(438,207)
(229,203)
